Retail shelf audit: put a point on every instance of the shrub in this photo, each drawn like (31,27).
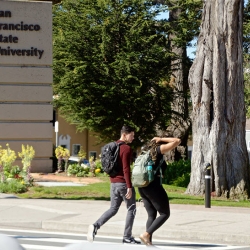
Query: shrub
(12,178)
(13,186)
(99,165)
(61,154)
(181,181)
(178,173)
(78,170)
(12,172)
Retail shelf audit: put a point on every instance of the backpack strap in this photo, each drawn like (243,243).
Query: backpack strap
(159,167)
(120,143)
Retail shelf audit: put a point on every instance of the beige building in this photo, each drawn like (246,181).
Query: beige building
(69,138)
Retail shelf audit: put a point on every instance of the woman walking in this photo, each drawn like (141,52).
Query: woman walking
(154,196)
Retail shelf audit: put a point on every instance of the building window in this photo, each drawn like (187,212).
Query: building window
(92,153)
(75,149)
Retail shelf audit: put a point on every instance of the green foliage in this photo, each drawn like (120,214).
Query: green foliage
(247,86)
(11,171)
(98,164)
(181,181)
(186,25)
(78,170)
(246,29)
(13,186)
(246,50)
(178,173)
(83,170)
(8,172)
(111,65)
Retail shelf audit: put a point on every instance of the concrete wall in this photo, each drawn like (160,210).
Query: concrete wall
(25,79)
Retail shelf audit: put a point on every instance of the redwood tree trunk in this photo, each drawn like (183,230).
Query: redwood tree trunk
(217,91)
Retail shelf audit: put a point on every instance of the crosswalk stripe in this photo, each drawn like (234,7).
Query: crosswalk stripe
(39,231)
(37,247)
(48,239)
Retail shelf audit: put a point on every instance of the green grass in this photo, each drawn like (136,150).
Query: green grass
(177,196)
(96,191)
(100,191)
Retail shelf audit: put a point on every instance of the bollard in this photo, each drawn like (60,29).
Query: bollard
(207,185)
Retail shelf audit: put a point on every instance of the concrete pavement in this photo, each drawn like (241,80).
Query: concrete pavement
(187,222)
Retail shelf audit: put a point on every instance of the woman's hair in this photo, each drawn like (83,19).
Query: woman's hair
(152,146)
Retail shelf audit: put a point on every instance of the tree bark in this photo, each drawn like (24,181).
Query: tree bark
(217,92)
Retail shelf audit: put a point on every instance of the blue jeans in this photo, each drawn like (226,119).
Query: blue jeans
(117,195)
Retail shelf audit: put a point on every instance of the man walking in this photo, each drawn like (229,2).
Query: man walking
(120,190)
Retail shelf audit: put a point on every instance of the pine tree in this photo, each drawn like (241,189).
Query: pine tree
(111,62)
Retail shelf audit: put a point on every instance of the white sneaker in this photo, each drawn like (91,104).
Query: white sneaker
(92,230)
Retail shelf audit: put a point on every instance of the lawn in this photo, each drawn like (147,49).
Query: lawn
(100,191)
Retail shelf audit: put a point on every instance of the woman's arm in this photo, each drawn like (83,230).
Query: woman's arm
(171,143)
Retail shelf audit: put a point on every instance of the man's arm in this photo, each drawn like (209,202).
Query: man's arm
(126,159)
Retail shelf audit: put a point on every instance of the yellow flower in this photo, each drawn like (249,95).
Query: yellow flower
(8,156)
(81,153)
(62,152)
(26,155)
(59,152)
(66,154)
(91,159)
(98,170)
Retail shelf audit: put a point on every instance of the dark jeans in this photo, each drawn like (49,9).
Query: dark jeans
(155,200)
(117,195)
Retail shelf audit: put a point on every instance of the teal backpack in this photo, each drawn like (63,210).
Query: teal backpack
(140,173)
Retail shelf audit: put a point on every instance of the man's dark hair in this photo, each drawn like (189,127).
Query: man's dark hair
(127,129)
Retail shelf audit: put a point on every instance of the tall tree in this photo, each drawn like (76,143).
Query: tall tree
(184,17)
(217,91)
(111,59)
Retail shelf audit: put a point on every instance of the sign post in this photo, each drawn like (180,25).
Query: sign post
(56,130)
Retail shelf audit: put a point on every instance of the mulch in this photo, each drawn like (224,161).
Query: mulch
(63,177)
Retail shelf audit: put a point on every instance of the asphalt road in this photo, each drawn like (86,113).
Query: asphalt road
(44,240)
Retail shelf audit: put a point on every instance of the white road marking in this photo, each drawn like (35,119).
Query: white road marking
(66,240)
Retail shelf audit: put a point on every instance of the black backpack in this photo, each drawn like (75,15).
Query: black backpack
(109,158)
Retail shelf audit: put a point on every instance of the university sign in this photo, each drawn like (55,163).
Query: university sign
(22,27)
(23,35)
(26,79)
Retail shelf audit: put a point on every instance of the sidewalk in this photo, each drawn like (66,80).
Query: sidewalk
(224,225)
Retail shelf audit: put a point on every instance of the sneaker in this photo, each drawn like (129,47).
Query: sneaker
(131,240)
(92,230)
